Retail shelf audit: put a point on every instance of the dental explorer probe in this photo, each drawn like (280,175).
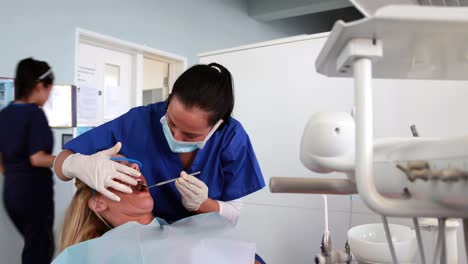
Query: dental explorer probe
(171,180)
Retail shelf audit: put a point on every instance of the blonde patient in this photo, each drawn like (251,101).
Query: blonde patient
(92,214)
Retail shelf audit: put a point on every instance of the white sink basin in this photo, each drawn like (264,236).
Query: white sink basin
(369,244)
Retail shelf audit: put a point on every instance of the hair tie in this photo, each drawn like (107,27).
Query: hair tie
(216,67)
(49,71)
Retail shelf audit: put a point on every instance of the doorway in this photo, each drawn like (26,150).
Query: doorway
(155,80)
(113,76)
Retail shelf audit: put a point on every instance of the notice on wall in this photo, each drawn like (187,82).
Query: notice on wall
(88,94)
(60,108)
(114,104)
(7,92)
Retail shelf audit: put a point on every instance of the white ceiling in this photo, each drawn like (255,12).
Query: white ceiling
(269,10)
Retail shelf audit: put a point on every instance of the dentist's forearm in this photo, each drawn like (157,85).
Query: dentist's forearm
(208,206)
(230,210)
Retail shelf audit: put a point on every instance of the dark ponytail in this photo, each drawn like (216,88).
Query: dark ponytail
(209,87)
(29,73)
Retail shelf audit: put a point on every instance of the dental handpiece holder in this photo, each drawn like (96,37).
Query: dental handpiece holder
(330,256)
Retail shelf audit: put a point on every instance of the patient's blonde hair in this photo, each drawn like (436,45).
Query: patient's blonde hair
(81,223)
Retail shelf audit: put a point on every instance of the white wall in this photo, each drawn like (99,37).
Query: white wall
(46,29)
(277,89)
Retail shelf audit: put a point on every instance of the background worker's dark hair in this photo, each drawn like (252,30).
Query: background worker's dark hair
(208,87)
(30,72)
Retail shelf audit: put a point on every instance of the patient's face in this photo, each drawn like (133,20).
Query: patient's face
(131,204)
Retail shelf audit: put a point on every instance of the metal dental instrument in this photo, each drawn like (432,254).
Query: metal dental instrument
(171,180)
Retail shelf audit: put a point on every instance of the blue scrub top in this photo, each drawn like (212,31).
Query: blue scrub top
(227,162)
(25,131)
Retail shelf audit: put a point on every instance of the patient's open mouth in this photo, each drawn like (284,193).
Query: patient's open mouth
(140,187)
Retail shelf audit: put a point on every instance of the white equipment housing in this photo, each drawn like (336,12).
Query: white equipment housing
(400,177)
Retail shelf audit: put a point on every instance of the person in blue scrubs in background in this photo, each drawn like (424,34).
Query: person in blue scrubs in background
(192,131)
(26,143)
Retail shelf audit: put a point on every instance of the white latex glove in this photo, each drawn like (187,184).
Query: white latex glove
(99,172)
(193,191)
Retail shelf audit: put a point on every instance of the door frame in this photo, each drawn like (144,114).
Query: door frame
(177,63)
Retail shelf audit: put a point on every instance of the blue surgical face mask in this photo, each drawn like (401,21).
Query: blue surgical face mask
(183,146)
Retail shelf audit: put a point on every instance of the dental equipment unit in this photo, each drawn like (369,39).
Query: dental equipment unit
(399,177)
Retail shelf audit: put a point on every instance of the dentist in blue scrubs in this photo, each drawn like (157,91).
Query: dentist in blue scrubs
(192,131)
